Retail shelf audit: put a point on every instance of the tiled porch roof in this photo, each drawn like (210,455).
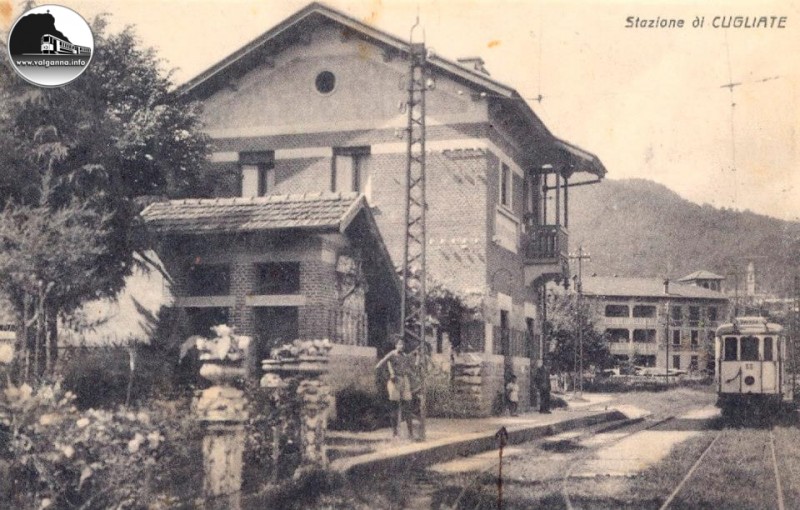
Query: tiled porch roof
(276,212)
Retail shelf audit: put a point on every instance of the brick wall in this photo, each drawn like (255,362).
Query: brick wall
(318,285)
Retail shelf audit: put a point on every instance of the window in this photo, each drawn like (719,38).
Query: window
(505,334)
(505,185)
(350,170)
(208,280)
(768,348)
(258,173)
(731,348)
(695,337)
(749,349)
(644,335)
(677,313)
(693,363)
(712,313)
(278,278)
(676,361)
(325,82)
(530,336)
(617,311)
(694,314)
(676,337)
(644,311)
(618,335)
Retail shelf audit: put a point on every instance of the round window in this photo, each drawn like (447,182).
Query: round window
(325,82)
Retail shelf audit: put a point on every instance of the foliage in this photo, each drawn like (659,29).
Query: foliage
(74,159)
(225,346)
(569,318)
(360,410)
(302,348)
(449,309)
(62,457)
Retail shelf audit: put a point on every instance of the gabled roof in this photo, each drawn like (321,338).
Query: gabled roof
(701,275)
(321,211)
(254,52)
(644,287)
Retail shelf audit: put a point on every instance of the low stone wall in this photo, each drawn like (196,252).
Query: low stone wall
(352,365)
(479,382)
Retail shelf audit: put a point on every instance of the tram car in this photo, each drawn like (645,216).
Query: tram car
(53,45)
(750,364)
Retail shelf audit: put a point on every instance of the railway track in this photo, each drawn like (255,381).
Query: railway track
(779,496)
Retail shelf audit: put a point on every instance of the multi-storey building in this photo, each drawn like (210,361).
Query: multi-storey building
(316,104)
(655,322)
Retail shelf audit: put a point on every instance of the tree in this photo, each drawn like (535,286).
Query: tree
(566,316)
(74,161)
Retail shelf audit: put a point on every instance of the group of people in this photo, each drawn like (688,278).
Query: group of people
(541,383)
(401,387)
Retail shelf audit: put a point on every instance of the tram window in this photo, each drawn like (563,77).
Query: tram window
(731,346)
(768,348)
(749,349)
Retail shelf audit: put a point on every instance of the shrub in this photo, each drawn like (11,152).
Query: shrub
(358,410)
(61,457)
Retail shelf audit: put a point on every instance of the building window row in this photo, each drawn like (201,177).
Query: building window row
(272,278)
(651,312)
(349,171)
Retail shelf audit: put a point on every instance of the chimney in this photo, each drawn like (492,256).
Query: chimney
(666,285)
(474,64)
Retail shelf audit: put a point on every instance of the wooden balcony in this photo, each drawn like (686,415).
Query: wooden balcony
(545,250)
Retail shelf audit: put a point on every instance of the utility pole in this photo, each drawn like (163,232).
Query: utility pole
(580,257)
(413,315)
(666,337)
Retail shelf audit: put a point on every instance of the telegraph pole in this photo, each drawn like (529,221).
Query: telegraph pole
(580,257)
(413,318)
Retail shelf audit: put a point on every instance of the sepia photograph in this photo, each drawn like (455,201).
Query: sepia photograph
(396,254)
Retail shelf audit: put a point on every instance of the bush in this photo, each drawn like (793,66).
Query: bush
(358,410)
(62,457)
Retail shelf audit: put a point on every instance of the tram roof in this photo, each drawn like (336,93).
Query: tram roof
(749,325)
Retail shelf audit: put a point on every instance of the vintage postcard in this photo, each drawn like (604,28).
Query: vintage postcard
(399,254)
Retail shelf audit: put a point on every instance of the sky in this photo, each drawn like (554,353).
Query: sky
(649,102)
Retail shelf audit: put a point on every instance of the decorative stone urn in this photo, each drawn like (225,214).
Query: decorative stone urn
(222,409)
(306,361)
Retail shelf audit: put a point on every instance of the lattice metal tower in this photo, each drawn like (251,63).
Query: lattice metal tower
(413,313)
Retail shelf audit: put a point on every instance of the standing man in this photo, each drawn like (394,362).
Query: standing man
(543,385)
(400,366)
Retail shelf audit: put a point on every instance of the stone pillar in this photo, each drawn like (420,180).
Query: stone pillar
(316,398)
(222,411)
(468,384)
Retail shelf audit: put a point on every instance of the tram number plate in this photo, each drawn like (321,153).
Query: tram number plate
(748,366)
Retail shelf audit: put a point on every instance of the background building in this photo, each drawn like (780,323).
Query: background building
(640,316)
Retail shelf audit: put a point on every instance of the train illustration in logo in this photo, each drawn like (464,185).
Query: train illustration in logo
(52,45)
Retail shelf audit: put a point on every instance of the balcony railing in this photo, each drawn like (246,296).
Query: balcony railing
(545,244)
(346,327)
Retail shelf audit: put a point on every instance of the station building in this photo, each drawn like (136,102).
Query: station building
(315,106)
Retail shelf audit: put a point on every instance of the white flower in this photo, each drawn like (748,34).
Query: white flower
(135,443)
(83,422)
(6,353)
(47,419)
(46,503)
(67,450)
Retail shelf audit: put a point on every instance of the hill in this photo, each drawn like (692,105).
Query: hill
(636,227)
